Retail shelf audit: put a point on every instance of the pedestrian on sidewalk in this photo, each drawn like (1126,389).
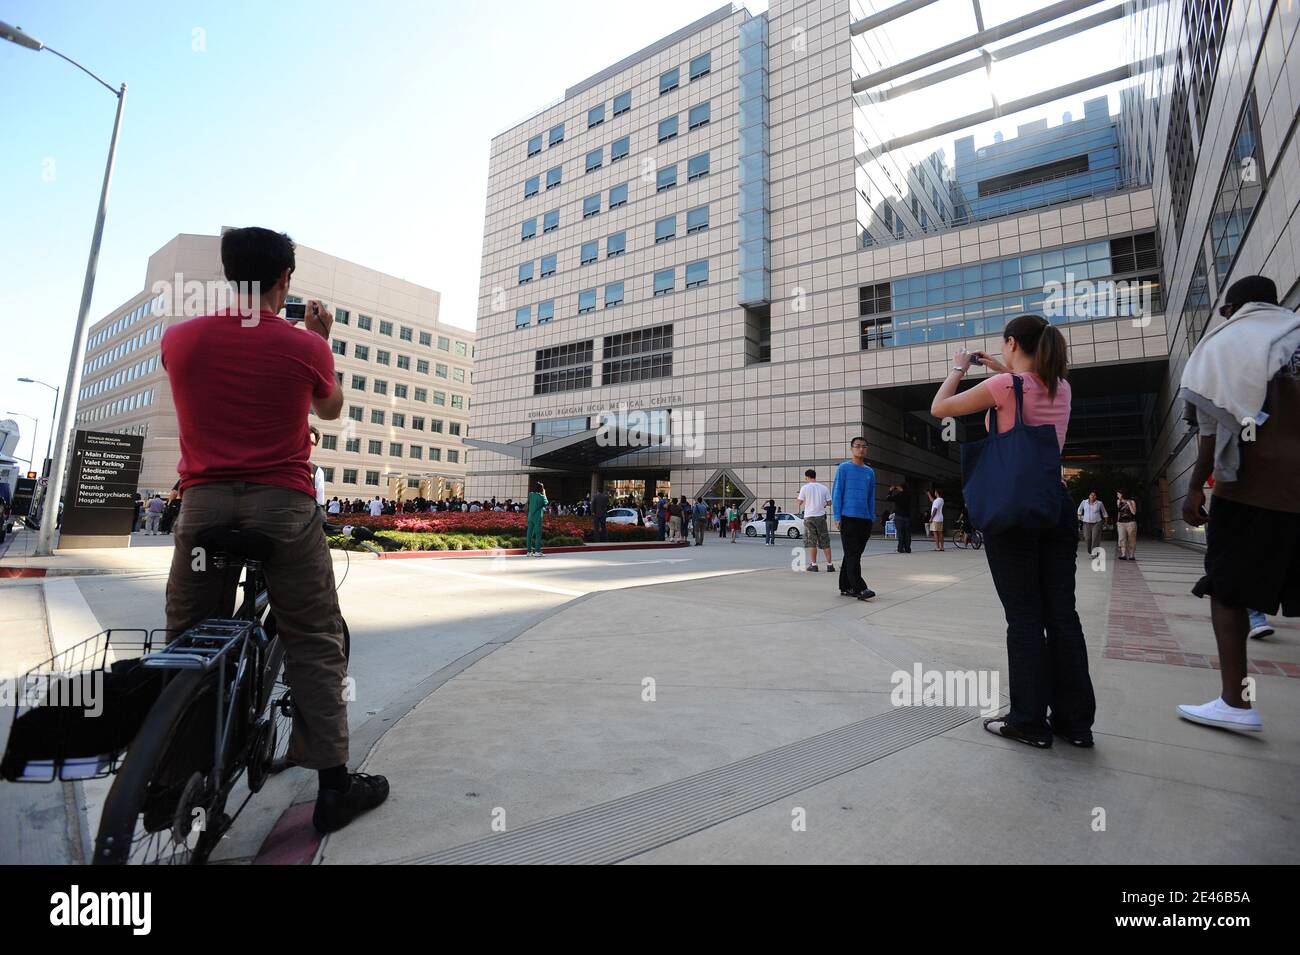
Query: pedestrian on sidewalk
(536,509)
(153,514)
(812,500)
(1126,526)
(853,506)
(733,520)
(599,509)
(1092,512)
(172,509)
(674,521)
(376,507)
(1243,380)
(1033,568)
(769,522)
(901,501)
(936,518)
(701,520)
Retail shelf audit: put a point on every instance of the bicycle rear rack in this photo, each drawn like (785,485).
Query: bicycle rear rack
(201,646)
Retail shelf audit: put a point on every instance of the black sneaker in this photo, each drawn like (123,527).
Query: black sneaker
(814,569)
(1083,740)
(1001,726)
(335,809)
(866,594)
(830,568)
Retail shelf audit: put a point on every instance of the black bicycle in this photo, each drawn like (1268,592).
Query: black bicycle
(963,536)
(185,723)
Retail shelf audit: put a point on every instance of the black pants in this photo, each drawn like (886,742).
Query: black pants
(598,528)
(903,527)
(854,534)
(1047,659)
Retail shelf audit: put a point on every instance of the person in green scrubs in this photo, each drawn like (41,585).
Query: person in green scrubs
(536,506)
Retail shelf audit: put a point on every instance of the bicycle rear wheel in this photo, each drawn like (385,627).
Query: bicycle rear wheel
(162,808)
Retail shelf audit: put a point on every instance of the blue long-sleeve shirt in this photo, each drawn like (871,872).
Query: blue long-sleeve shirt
(854,494)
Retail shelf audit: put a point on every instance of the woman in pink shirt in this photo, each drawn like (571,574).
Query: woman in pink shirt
(1032,569)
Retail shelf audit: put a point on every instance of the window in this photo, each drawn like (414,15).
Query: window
(562,368)
(697,273)
(523,316)
(458,374)
(349,475)
(458,401)
(700,66)
(698,116)
(444,344)
(352,445)
(363,322)
(453,428)
(421,394)
(374,446)
(417,451)
(545,311)
(665,229)
(405,334)
(554,177)
(461,348)
(590,252)
(548,265)
(697,167)
(435,425)
(666,178)
(399,420)
(613,294)
(619,149)
(667,129)
(531,186)
(355,412)
(426,339)
(372,478)
(586,301)
(341,316)
(395,449)
(595,159)
(697,220)
(453,456)
(376,416)
(381,386)
(435,454)
(525,273)
(328,474)
(529,230)
(664,281)
(550,222)
(417,423)
(534,145)
(422,366)
(439,398)
(595,116)
(440,370)
(555,136)
(358,383)
(622,103)
(404,362)
(330,442)
(361,352)
(618,196)
(386,328)
(382,357)
(668,81)
(591,206)
(616,244)
(339,347)
(639,355)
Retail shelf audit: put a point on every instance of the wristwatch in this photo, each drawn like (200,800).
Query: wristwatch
(959,368)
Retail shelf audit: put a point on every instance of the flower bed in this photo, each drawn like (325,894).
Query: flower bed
(488,528)
(458,541)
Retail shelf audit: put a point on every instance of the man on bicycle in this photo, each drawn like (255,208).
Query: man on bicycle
(243,385)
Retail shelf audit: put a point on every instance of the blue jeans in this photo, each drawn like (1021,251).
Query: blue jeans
(770,529)
(1047,659)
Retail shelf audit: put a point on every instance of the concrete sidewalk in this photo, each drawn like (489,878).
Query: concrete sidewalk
(748,719)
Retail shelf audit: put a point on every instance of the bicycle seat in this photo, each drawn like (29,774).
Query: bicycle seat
(237,544)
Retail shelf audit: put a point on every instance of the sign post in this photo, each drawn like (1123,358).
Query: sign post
(100,505)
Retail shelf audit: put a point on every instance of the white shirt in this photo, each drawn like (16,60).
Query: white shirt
(814,498)
(936,511)
(335,506)
(376,508)
(319,479)
(1092,511)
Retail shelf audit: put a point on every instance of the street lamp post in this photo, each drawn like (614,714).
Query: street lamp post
(54,488)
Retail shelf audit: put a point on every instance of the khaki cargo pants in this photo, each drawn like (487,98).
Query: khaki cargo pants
(300,581)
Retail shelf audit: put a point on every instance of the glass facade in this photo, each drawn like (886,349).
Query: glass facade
(755,286)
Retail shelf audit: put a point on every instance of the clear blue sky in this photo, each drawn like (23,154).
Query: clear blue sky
(362,129)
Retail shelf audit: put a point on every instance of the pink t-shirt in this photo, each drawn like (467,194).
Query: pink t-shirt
(1039,409)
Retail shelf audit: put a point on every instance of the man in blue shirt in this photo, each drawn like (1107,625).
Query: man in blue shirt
(853,506)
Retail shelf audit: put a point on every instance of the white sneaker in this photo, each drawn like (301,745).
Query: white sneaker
(1262,631)
(1218,713)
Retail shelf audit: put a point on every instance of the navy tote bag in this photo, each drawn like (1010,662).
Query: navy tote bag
(1012,481)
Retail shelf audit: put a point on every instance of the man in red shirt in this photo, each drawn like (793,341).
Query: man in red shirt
(243,381)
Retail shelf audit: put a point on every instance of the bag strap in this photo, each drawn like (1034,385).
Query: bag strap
(1018,383)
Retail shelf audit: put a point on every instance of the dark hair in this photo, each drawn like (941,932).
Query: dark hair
(810,473)
(1043,342)
(256,255)
(314,432)
(856,438)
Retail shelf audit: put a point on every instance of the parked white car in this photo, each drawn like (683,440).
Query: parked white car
(787,525)
(621,515)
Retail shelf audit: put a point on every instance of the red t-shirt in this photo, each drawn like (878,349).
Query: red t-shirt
(242,394)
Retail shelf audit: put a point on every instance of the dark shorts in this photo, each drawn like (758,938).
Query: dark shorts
(1252,558)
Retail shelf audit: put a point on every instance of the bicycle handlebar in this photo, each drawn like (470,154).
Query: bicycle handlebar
(362,535)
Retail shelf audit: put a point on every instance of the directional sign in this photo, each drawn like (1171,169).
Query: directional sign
(101,490)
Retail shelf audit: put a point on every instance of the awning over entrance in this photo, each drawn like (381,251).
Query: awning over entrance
(588,450)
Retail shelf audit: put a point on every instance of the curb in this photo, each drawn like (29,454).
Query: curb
(519,551)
